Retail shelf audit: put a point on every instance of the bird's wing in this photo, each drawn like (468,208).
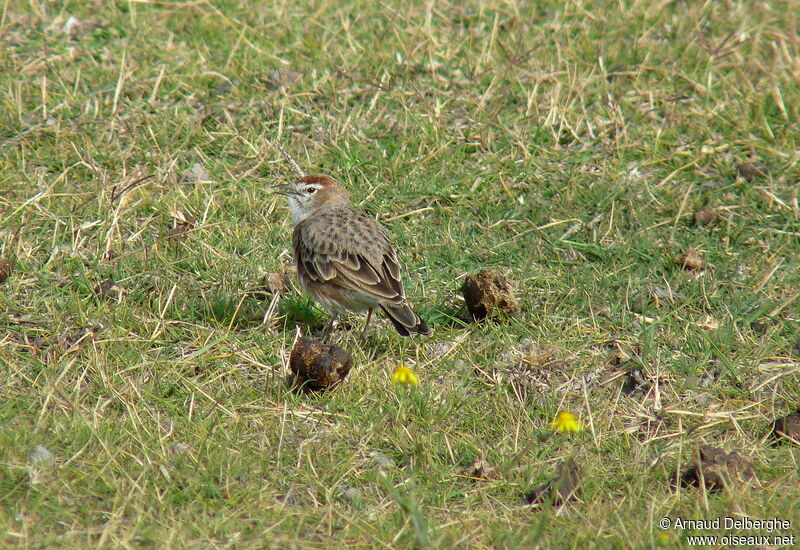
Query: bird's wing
(350,249)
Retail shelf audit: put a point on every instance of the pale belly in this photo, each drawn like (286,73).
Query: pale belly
(337,299)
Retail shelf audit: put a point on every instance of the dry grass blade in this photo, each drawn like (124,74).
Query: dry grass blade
(298,172)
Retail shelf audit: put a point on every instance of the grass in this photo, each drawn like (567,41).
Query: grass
(566,145)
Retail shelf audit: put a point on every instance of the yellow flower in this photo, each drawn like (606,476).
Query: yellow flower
(405,376)
(565,422)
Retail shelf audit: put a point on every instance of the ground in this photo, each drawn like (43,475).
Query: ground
(566,145)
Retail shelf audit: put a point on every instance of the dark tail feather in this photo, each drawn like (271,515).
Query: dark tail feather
(405,321)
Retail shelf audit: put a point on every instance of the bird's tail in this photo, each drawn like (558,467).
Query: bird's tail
(405,320)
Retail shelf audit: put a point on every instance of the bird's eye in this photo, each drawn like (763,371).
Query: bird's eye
(311,190)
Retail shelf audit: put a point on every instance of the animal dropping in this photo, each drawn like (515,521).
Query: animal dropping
(489,295)
(705,216)
(561,489)
(6,267)
(752,170)
(480,470)
(274,283)
(715,469)
(316,366)
(692,260)
(183,224)
(108,289)
(786,429)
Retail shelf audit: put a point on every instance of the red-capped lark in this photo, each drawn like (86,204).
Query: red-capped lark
(345,260)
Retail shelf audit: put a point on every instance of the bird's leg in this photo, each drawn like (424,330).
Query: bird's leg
(366,325)
(328,330)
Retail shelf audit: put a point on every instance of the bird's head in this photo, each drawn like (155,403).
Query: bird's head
(310,194)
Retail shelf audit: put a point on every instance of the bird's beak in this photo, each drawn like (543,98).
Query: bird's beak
(286,189)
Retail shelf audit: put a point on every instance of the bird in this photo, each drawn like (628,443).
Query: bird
(345,259)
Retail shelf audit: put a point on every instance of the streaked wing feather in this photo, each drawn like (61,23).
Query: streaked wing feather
(350,261)
(364,273)
(325,268)
(390,262)
(368,265)
(367,281)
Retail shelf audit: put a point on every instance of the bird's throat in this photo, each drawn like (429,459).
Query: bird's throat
(297,211)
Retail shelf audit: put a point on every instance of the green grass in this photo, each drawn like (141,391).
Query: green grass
(566,145)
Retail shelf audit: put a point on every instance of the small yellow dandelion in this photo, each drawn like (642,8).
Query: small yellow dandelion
(565,422)
(405,376)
